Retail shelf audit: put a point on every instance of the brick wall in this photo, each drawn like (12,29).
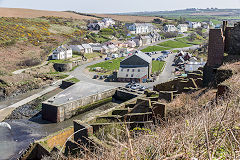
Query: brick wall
(215,48)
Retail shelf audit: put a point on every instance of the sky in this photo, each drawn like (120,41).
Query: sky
(117,6)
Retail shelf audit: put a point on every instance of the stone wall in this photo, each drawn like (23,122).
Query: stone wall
(63,67)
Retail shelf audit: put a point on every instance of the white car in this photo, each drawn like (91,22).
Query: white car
(114,55)
(135,86)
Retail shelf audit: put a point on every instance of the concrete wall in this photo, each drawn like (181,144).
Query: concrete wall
(124,95)
(59,113)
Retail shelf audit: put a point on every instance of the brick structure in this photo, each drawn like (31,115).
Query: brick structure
(215,48)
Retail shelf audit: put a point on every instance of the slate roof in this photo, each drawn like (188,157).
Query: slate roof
(86,46)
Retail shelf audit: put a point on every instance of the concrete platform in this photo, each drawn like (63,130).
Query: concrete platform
(77,91)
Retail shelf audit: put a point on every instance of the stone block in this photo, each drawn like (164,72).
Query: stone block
(83,132)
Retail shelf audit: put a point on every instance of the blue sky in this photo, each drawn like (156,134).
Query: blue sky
(117,6)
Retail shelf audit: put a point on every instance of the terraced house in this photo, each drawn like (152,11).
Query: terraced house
(135,68)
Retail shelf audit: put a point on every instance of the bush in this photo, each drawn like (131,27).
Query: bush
(30,62)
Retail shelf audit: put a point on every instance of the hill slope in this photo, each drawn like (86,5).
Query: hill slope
(30,13)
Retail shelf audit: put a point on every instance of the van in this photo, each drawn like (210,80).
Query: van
(114,55)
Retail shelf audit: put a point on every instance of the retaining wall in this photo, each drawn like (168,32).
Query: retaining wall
(59,113)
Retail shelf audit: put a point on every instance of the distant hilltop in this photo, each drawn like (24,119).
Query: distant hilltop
(30,13)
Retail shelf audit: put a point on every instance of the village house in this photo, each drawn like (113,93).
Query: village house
(62,52)
(182,28)
(96,26)
(179,60)
(138,41)
(140,28)
(108,22)
(112,48)
(137,68)
(169,28)
(131,44)
(105,49)
(87,48)
(155,37)
(96,47)
(77,48)
(194,24)
(193,66)
(146,40)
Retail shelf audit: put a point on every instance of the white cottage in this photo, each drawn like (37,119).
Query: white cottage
(182,28)
(62,52)
(140,28)
(87,48)
(169,28)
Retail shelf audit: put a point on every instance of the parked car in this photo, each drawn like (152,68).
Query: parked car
(114,55)
(153,59)
(128,85)
(159,59)
(149,80)
(164,52)
(142,88)
(102,77)
(149,54)
(107,58)
(135,86)
(95,76)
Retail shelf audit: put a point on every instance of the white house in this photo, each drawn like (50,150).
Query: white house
(194,24)
(87,48)
(182,28)
(112,48)
(108,22)
(169,28)
(62,52)
(146,40)
(77,48)
(105,49)
(131,44)
(140,28)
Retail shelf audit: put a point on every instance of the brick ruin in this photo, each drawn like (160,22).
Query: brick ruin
(222,40)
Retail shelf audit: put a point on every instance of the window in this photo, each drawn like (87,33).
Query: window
(127,70)
(132,75)
(126,75)
(138,70)
(122,69)
(132,70)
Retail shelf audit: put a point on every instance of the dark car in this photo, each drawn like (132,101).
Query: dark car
(102,77)
(165,52)
(153,59)
(95,76)
(107,58)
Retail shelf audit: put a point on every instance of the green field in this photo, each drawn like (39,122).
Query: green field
(109,65)
(157,66)
(185,40)
(154,49)
(174,44)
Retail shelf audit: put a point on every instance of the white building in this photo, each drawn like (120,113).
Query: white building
(77,48)
(194,24)
(108,22)
(112,48)
(140,28)
(62,52)
(169,28)
(182,28)
(131,44)
(87,48)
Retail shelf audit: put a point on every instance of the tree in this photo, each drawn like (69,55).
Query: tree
(157,21)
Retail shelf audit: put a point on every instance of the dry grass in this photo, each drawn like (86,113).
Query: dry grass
(127,18)
(30,13)
(196,126)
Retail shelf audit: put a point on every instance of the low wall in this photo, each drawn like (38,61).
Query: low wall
(124,95)
(59,113)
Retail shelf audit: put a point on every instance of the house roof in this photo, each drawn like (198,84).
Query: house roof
(143,24)
(111,46)
(123,72)
(86,46)
(193,66)
(76,46)
(141,55)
